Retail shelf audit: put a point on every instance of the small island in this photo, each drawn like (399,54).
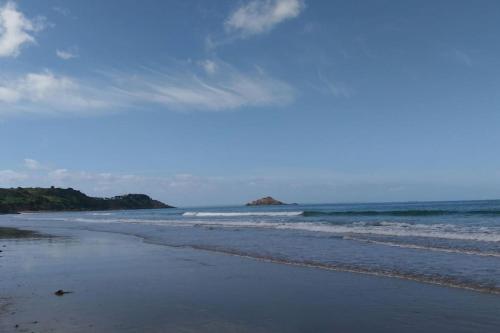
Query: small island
(15,200)
(266,201)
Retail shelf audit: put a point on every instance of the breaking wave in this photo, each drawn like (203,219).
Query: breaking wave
(427,248)
(315,213)
(411,212)
(395,229)
(236,214)
(445,231)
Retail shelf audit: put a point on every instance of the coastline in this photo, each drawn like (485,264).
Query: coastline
(55,199)
(83,210)
(121,283)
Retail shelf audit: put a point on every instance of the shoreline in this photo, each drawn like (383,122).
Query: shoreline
(422,279)
(448,283)
(185,289)
(326,267)
(80,210)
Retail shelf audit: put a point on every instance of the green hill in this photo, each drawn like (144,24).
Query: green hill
(19,199)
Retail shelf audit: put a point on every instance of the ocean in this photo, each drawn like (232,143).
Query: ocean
(455,244)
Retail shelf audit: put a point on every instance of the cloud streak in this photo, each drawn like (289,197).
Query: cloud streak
(221,87)
(336,89)
(259,16)
(66,54)
(204,86)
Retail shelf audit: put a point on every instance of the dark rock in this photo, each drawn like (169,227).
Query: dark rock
(12,233)
(266,201)
(61,292)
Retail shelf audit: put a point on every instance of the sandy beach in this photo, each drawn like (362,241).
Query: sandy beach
(120,283)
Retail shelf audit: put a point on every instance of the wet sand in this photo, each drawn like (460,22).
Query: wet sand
(121,284)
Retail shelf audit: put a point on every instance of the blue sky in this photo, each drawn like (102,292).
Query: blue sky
(220,102)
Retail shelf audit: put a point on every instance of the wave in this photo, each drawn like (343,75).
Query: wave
(444,231)
(412,212)
(395,229)
(315,213)
(424,247)
(236,214)
(441,280)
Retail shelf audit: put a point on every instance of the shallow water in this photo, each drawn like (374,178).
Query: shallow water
(449,243)
(122,284)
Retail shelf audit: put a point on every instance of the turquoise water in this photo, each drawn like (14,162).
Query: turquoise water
(450,243)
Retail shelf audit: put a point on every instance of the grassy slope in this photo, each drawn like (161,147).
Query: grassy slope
(58,199)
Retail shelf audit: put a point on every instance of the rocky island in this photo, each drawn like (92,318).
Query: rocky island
(14,200)
(266,201)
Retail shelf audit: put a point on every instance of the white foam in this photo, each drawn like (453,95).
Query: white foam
(236,214)
(396,229)
(427,248)
(445,231)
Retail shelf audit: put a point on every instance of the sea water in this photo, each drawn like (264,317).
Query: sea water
(449,243)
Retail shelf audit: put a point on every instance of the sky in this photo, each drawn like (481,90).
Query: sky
(221,102)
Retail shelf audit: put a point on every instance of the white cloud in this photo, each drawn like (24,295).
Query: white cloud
(66,54)
(62,10)
(209,66)
(10,177)
(15,30)
(259,16)
(32,164)
(46,92)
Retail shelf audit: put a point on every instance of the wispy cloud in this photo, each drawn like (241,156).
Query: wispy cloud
(32,164)
(67,54)
(208,65)
(334,88)
(219,87)
(462,57)
(62,10)
(16,30)
(258,16)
